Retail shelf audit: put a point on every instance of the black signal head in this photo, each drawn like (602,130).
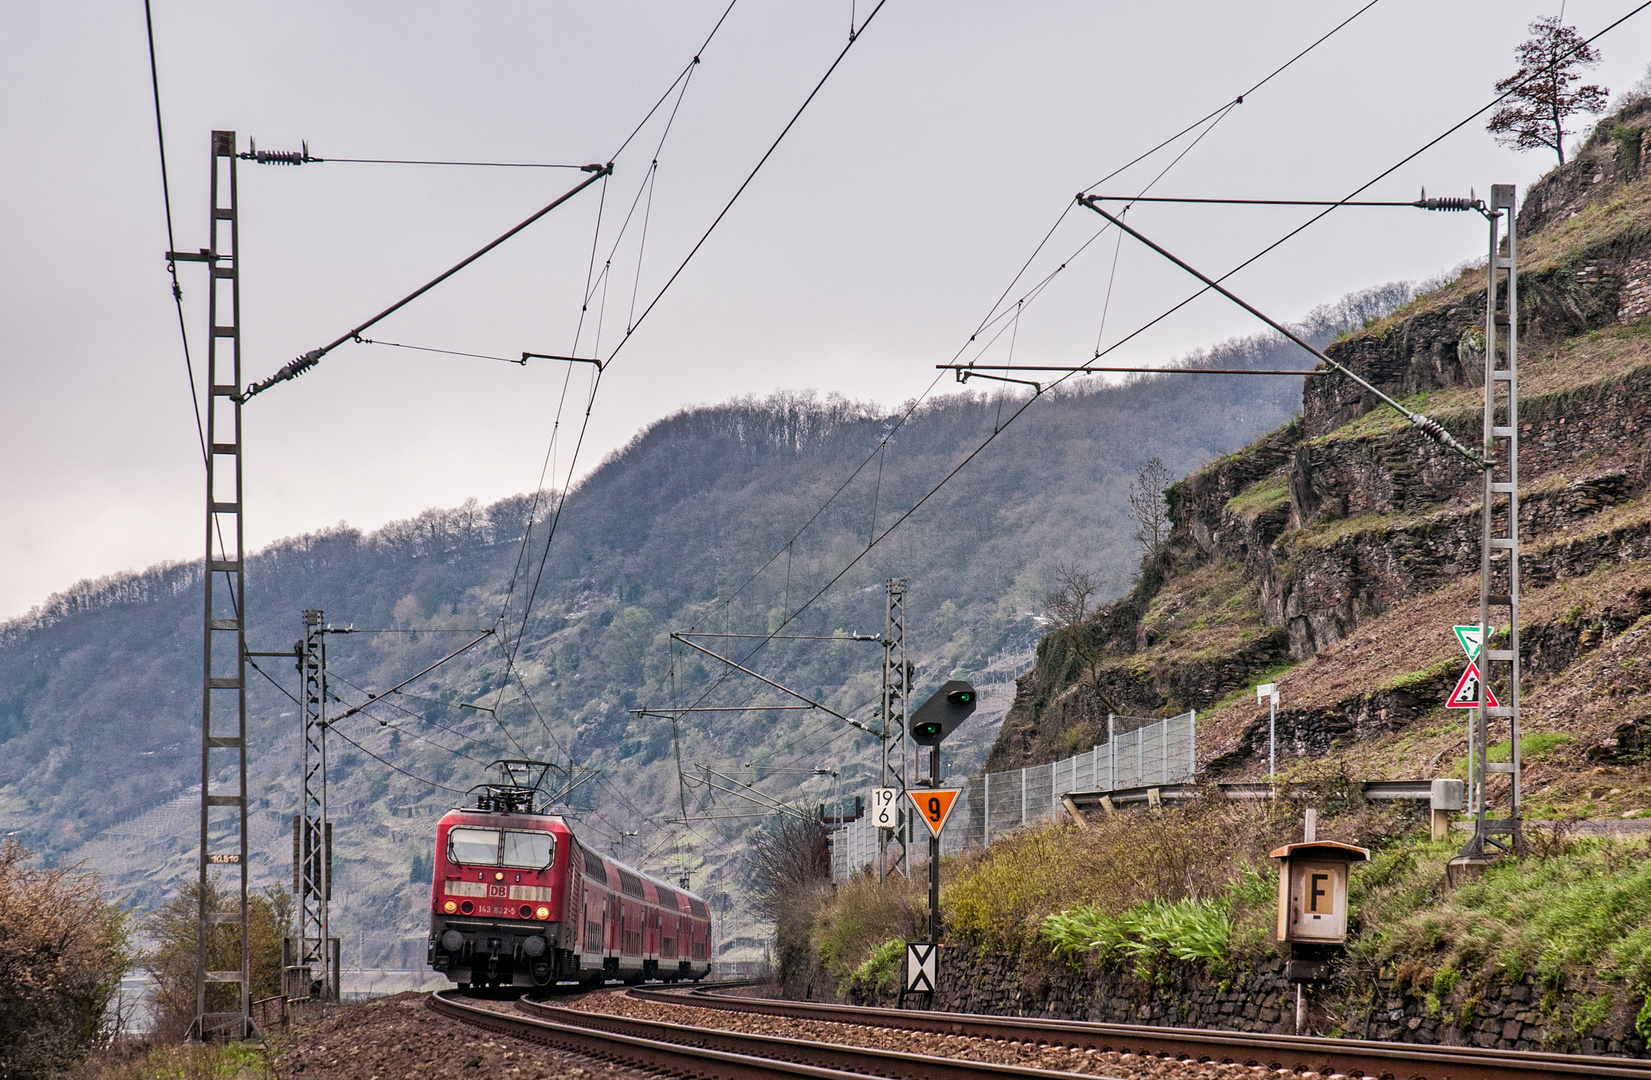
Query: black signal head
(939,716)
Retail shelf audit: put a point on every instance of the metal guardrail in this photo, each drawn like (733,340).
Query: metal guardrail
(280,1011)
(1374,790)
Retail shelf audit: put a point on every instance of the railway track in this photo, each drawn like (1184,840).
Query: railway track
(682,1049)
(1351,1057)
(686,1049)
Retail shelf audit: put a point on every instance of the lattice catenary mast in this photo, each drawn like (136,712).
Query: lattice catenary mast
(223,689)
(313,959)
(896,747)
(1499,565)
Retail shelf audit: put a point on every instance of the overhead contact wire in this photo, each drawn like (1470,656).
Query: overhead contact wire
(993,316)
(690,66)
(171,243)
(429,783)
(597,380)
(683,80)
(1320,216)
(745,184)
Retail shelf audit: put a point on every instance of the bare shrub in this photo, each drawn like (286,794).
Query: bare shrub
(1146,502)
(1069,607)
(791,878)
(1070,603)
(787,857)
(1552,840)
(63,951)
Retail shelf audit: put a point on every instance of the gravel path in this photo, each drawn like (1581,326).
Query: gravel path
(1065,1059)
(399,1038)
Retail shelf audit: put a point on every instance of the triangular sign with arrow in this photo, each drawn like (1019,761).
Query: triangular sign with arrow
(1466,694)
(1469,637)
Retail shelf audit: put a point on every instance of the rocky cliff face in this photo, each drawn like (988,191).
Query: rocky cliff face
(1350,532)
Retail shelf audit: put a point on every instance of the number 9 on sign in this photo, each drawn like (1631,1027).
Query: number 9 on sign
(934,805)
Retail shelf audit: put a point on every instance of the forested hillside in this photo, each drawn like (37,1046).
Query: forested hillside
(99,688)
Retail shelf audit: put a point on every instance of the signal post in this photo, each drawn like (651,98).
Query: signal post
(935,719)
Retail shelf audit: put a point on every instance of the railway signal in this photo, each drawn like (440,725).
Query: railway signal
(939,716)
(935,719)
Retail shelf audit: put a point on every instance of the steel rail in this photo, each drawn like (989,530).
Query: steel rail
(860,1060)
(625,1049)
(712,1052)
(1406,1061)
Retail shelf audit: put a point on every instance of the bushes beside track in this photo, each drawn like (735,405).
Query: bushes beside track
(63,952)
(1188,897)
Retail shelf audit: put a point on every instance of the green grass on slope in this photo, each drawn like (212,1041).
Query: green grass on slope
(1565,912)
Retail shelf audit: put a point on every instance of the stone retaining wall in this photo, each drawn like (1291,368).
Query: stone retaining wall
(1593,1019)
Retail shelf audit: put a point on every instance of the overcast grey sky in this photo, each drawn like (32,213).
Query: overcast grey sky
(947,143)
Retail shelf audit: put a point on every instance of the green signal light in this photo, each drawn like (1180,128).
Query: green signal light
(926,729)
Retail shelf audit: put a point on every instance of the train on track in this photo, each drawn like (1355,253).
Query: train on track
(517,900)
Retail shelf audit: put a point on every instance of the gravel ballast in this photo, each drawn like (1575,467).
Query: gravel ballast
(1035,1055)
(399,1038)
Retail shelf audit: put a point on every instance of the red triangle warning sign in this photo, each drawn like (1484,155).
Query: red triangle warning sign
(934,805)
(1466,694)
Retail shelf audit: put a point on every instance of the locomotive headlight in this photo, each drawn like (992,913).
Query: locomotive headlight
(452,941)
(542,912)
(450,907)
(534,946)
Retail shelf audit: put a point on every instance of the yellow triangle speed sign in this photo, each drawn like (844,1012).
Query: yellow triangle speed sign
(934,805)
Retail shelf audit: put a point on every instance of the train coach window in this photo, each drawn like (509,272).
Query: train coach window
(529,849)
(473,847)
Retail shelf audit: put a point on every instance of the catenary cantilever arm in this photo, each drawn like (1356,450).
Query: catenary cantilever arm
(763,678)
(296,367)
(1428,427)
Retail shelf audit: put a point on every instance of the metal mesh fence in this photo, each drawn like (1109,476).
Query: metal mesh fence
(853,848)
(1139,752)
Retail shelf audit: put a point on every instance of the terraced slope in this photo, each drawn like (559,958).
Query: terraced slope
(1334,554)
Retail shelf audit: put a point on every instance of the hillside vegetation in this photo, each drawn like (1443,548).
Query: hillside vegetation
(99,688)
(1332,556)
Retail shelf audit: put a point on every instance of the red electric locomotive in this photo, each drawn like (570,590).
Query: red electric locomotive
(516,900)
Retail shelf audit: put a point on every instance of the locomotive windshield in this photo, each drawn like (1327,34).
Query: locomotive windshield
(491,847)
(535,849)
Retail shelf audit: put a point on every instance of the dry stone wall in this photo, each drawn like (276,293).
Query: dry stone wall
(1592,1019)
(1582,454)
(1595,285)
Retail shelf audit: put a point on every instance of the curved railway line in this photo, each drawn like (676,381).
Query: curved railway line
(688,1049)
